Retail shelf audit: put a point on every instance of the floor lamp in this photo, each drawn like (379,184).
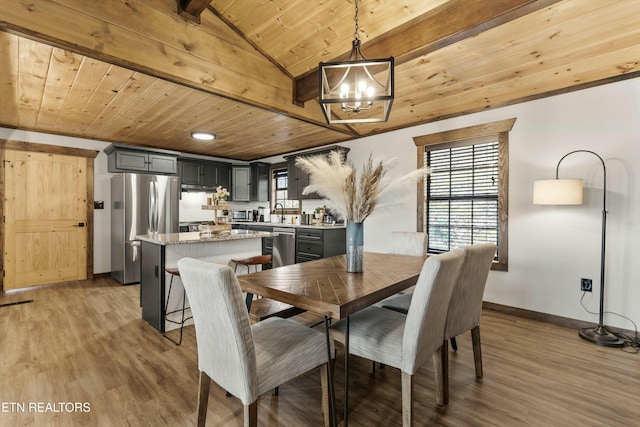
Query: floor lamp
(569,192)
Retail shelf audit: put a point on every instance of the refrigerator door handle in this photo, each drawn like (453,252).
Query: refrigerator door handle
(153,206)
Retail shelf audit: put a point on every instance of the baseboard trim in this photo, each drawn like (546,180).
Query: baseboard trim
(548,318)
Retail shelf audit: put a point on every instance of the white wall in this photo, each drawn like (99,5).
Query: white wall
(550,248)
(102,188)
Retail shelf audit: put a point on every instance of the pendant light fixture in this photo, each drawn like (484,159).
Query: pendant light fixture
(358,90)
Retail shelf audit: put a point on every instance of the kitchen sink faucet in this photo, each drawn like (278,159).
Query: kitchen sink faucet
(281,211)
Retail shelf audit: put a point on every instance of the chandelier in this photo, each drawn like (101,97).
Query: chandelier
(359,89)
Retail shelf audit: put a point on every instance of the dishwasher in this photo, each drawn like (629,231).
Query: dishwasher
(284,246)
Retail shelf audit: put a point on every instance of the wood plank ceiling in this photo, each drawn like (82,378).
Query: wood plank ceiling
(147,73)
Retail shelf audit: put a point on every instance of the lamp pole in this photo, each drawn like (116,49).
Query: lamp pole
(599,335)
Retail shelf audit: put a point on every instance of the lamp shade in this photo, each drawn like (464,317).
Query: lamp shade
(557,192)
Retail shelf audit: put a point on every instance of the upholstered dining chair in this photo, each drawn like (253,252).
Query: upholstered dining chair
(407,342)
(465,307)
(245,360)
(412,243)
(408,243)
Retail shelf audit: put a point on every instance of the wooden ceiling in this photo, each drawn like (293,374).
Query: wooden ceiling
(145,73)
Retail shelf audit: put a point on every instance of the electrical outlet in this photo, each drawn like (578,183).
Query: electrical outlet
(586,285)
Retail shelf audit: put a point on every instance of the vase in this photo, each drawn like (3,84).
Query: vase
(355,246)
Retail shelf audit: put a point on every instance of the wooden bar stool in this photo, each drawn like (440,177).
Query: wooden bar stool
(175,272)
(254,260)
(264,308)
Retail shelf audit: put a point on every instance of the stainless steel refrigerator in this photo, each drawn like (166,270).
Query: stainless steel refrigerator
(140,204)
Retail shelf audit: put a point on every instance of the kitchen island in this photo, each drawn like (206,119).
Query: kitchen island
(161,251)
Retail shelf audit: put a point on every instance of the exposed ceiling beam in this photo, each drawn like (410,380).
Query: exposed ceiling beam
(455,20)
(191,9)
(143,36)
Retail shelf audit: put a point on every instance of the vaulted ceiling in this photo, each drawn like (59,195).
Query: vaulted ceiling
(148,72)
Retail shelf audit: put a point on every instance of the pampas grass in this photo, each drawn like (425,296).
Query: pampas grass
(350,194)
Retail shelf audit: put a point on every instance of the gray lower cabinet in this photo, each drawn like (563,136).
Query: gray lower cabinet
(152,283)
(314,244)
(267,242)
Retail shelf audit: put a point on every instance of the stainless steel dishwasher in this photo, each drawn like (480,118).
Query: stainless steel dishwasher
(284,246)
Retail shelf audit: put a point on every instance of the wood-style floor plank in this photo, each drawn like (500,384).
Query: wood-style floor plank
(85,342)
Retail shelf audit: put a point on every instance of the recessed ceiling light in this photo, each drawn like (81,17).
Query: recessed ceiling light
(203,136)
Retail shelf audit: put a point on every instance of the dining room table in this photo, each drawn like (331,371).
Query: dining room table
(324,287)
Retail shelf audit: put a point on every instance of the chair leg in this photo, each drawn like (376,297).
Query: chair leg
(407,400)
(372,368)
(454,344)
(203,398)
(251,414)
(477,351)
(439,358)
(444,360)
(324,383)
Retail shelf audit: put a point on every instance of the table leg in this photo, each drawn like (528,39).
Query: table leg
(346,372)
(248,301)
(332,394)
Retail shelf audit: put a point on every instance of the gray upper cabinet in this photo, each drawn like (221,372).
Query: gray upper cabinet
(240,191)
(259,188)
(198,174)
(224,175)
(298,179)
(250,183)
(201,175)
(125,159)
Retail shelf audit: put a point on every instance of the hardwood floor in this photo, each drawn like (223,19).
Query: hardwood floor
(85,342)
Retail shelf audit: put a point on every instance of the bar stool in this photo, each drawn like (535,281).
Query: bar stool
(175,272)
(264,308)
(254,260)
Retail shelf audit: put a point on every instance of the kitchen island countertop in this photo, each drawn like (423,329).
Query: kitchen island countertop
(196,237)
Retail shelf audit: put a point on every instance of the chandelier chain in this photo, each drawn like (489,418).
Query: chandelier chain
(355,35)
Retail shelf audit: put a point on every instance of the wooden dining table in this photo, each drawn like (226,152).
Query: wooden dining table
(326,288)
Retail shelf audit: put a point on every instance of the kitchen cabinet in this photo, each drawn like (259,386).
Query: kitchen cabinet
(224,176)
(298,178)
(199,173)
(240,184)
(259,188)
(314,244)
(204,175)
(267,242)
(125,159)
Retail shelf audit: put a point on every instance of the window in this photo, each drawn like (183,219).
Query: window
(465,196)
(280,190)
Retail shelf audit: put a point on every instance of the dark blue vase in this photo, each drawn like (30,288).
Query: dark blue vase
(355,246)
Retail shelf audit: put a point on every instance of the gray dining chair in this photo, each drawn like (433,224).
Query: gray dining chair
(465,307)
(407,342)
(246,360)
(412,243)
(409,243)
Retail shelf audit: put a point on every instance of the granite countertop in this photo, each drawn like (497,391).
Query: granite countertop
(289,225)
(195,237)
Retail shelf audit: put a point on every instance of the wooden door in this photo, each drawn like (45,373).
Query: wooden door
(45,218)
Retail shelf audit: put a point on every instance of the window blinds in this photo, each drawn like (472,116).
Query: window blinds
(462,196)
